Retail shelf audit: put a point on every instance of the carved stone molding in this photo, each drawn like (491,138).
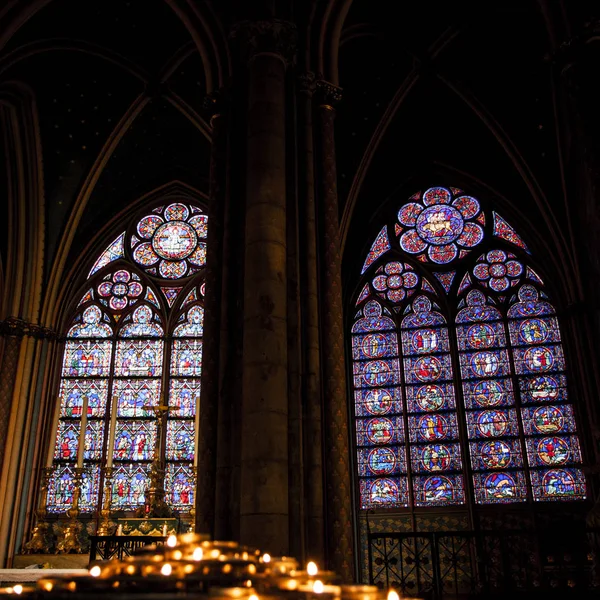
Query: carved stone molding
(266,37)
(306,83)
(328,95)
(215,104)
(15,327)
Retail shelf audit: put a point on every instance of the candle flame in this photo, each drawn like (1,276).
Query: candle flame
(393,595)
(312,569)
(18,589)
(266,558)
(318,587)
(166,569)
(95,571)
(172,541)
(198,554)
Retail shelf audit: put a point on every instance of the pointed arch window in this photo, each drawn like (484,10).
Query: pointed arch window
(460,381)
(135,343)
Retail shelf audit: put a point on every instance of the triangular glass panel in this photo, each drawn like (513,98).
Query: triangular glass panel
(191,297)
(170,294)
(380,246)
(446,279)
(151,297)
(113,252)
(464,284)
(364,294)
(89,295)
(504,231)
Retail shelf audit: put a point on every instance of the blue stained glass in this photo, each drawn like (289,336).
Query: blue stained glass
(133,394)
(487,393)
(422,315)
(135,440)
(496,454)
(553,451)
(376,373)
(428,369)
(130,482)
(432,427)
(194,325)
(186,358)
(72,392)
(184,395)
(437,490)
(379,431)
(61,487)
(377,401)
(538,359)
(179,485)
(534,331)
(374,345)
(558,484)
(499,488)
(67,440)
(485,363)
(434,458)
(492,423)
(430,397)
(384,492)
(139,358)
(548,419)
(425,340)
(381,461)
(544,388)
(480,336)
(87,359)
(180,440)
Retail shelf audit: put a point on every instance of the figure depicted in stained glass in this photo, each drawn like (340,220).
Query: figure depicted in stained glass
(432,427)
(374,345)
(492,423)
(548,419)
(481,335)
(485,364)
(377,372)
(430,397)
(488,393)
(378,401)
(500,486)
(495,454)
(539,359)
(428,368)
(438,488)
(543,389)
(558,483)
(384,491)
(425,340)
(381,461)
(380,431)
(533,331)
(436,458)
(553,451)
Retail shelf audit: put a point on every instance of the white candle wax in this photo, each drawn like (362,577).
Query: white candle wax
(111,433)
(83,426)
(54,431)
(197,430)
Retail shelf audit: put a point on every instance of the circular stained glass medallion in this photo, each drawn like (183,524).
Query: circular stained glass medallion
(533,331)
(377,372)
(174,240)
(172,270)
(380,431)
(428,368)
(495,454)
(378,401)
(440,224)
(148,225)
(500,486)
(553,451)
(438,489)
(539,359)
(492,423)
(432,427)
(425,340)
(548,419)
(430,397)
(144,255)
(558,482)
(384,491)
(374,345)
(488,393)
(92,315)
(485,364)
(481,335)
(435,457)
(543,389)
(381,461)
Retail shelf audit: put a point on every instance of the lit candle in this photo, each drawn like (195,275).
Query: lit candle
(83,426)
(54,431)
(197,430)
(111,432)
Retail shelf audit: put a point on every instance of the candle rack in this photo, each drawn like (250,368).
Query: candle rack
(39,541)
(69,534)
(105,525)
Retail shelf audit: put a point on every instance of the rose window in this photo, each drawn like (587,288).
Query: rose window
(169,243)
(120,290)
(395,281)
(441,226)
(498,269)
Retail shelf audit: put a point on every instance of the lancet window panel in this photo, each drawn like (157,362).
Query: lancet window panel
(117,359)
(484,397)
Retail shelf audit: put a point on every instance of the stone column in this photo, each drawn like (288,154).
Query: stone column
(264,503)
(338,517)
(311,399)
(12,331)
(209,399)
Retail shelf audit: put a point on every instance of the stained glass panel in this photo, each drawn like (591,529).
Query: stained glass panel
(186,358)
(87,359)
(179,483)
(180,440)
(184,396)
(61,487)
(67,440)
(71,397)
(113,252)
(134,440)
(379,247)
(130,482)
(194,325)
(385,492)
(438,490)
(132,395)
(139,358)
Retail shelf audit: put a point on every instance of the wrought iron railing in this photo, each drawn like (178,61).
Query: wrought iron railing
(117,546)
(486,564)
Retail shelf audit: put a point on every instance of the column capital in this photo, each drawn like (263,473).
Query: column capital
(271,37)
(328,94)
(306,83)
(15,327)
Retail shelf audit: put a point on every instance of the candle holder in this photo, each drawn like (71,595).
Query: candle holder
(39,541)
(69,534)
(105,525)
(192,512)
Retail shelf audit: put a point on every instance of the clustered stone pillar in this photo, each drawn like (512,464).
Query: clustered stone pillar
(313,463)
(337,465)
(264,504)
(209,399)
(12,331)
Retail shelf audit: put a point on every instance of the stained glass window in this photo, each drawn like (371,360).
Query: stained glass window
(117,364)
(477,412)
